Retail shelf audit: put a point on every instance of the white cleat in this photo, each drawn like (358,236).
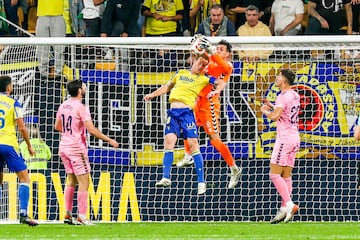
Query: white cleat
(201,188)
(280,216)
(235,177)
(164,182)
(82,221)
(291,209)
(187,161)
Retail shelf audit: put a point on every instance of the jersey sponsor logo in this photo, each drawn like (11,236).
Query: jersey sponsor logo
(186,79)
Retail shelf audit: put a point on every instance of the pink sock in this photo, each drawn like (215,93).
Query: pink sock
(69,197)
(288,182)
(281,187)
(82,198)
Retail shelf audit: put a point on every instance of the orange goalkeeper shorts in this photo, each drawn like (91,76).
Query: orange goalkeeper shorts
(207,115)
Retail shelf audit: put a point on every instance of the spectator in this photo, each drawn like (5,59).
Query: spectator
(4,26)
(286,17)
(67,18)
(42,151)
(23,4)
(11,8)
(199,11)
(140,23)
(50,23)
(325,17)
(217,24)
(185,22)
(253,27)
(92,14)
(238,7)
(120,18)
(77,21)
(162,17)
(356,15)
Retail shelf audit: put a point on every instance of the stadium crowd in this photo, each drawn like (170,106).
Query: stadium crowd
(121,18)
(142,18)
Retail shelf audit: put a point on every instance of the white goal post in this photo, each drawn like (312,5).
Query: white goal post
(118,73)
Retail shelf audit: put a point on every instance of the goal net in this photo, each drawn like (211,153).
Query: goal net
(119,72)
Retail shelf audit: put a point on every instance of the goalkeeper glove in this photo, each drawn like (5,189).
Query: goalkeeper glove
(195,37)
(206,44)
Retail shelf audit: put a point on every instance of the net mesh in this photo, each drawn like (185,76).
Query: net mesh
(118,76)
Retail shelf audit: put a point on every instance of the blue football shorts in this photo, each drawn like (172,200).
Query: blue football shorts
(181,120)
(12,158)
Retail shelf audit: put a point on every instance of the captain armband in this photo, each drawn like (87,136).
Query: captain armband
(212,80)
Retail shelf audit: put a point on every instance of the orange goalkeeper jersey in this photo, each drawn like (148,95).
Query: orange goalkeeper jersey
(218,68)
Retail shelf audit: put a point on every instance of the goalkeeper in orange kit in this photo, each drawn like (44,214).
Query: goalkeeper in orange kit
(207,109)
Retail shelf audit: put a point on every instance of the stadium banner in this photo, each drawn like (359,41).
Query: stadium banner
(123,193)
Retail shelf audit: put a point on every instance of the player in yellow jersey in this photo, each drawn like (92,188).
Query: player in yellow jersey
(184,88)
(10,117)
(207,109)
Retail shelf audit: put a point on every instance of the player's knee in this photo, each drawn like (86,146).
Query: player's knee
(193,144)
(170,142)
(213,136)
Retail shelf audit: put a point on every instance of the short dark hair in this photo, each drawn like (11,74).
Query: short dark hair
(4,82)
(73,87)
(289,75)
(217,6)
(252,8)
(227,44)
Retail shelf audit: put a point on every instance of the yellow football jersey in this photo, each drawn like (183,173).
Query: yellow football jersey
(50,8)
(187,87)
(10,110)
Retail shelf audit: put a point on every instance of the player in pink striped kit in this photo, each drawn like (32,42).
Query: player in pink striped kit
(287,143)
(72,120)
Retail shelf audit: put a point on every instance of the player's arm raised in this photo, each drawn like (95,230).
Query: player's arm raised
(160,91)
(98,134)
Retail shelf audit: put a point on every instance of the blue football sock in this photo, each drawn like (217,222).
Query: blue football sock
(24,194)
(199,165)
(167,162)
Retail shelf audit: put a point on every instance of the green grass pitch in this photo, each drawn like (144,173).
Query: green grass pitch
(186,230)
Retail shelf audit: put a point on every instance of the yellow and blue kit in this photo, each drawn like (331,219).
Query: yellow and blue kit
(186,89)
(10,110)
